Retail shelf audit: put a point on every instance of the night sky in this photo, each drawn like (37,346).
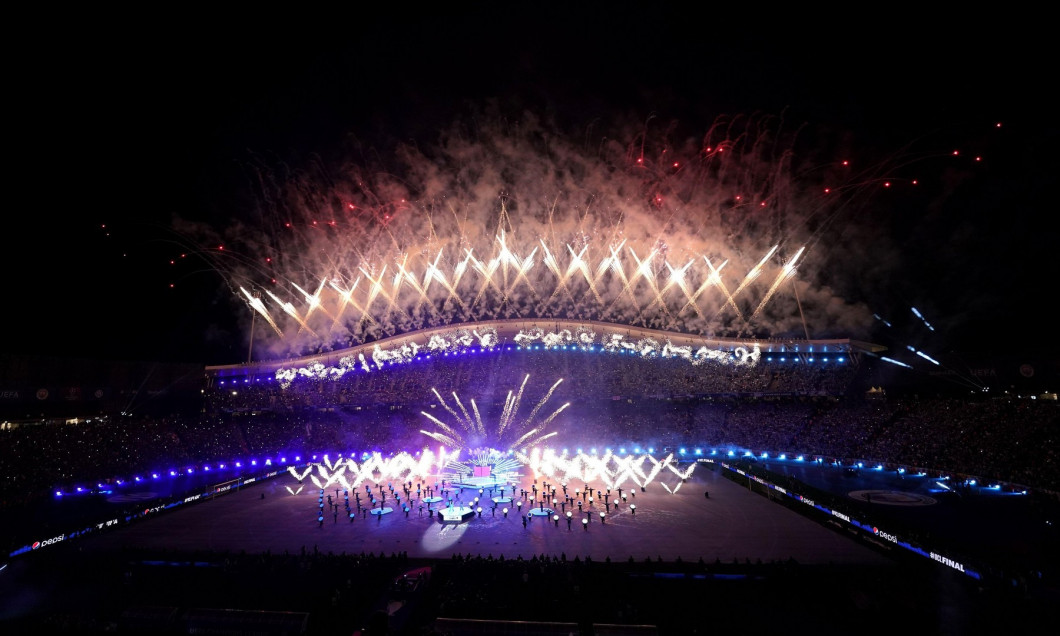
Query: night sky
(117,130)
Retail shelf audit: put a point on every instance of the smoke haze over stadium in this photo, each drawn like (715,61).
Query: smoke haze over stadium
(894,169)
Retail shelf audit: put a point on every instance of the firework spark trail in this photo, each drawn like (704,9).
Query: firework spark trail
(290,310)
(346,298)
(712,280)
(441,424)
(452,439)
(410,279)
(313,300)
(506,411)
(537,407)
(578,264)
(478,418)
(259,307)
(451,411)
(468,423)
(548,420)
(526,435)
(677,279)
(512,406)
(755,272)
(787,272)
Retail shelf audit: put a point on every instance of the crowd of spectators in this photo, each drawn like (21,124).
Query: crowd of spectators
(611,400)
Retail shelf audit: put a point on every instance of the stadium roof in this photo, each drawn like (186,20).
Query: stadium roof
(549,333)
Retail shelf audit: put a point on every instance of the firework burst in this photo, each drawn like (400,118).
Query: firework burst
(468,430)
(717,234)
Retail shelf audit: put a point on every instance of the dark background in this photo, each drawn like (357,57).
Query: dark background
(121,121)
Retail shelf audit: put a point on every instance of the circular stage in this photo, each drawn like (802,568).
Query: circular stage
(538,512)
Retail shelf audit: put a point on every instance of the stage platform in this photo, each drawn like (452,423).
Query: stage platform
(455,514)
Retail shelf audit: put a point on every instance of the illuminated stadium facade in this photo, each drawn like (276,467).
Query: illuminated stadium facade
(586,336)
